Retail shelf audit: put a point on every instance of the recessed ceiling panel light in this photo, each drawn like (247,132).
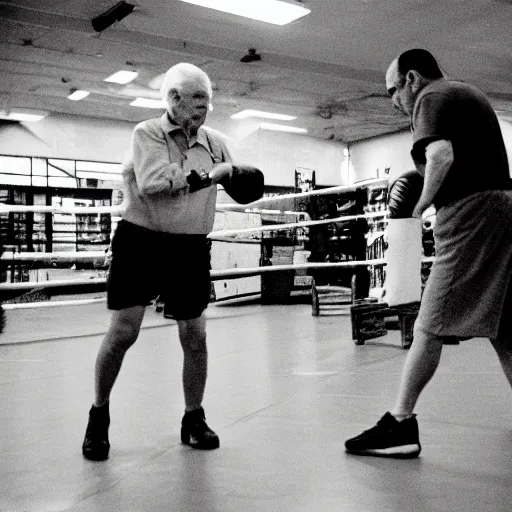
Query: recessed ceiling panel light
(78,95)
(122,77)
(18,116)
(23,115)
(282,128)
(265,115)
(147,103)
(269,11)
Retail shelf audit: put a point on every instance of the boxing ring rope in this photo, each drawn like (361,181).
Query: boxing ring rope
(219,235)
(319,192)
(301,224)
(52,304)
(20,208)
(53,256)
(215,276)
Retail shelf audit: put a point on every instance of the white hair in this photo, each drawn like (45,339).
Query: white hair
(182,73)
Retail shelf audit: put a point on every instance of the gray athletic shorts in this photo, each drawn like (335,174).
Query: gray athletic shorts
(469,291)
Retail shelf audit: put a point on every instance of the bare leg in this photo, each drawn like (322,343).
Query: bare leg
(122,334)
(420,365)
(504,350)
(195,360)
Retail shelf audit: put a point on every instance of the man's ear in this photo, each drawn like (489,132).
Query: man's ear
(413,77)
(173,96)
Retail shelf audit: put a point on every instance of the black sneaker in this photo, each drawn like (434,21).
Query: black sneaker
(196,433)
(96,445)
(389,438)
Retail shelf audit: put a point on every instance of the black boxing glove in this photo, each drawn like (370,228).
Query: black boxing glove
(245,185)
(404,194)
(197,182)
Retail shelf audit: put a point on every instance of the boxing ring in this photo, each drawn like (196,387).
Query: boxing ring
(285,389)
(325,299)
(227,235)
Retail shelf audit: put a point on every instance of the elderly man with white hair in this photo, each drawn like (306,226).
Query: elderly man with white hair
(160,246)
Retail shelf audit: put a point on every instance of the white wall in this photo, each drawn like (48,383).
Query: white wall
(66,136)
(278,154)
(393,151)
(81,138)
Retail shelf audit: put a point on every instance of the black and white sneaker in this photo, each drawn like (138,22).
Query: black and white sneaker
(389,438)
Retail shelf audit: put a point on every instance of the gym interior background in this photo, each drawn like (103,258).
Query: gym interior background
(325,70)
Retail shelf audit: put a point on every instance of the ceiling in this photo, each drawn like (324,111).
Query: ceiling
(326,68)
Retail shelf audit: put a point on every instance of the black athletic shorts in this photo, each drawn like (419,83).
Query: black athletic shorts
(147,264)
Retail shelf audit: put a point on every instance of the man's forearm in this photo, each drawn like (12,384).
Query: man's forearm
(439,155)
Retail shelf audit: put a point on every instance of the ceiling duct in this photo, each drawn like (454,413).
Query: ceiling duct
(251,56)
(113,15)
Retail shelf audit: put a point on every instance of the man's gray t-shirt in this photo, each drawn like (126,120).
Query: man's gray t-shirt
(462,114)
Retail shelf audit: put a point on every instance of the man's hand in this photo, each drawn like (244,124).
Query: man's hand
(198,181)
(417,213)
(179,183)
(421,169)
(219,172)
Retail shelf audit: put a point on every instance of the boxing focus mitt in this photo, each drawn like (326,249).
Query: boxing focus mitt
(245,185)
(404,194)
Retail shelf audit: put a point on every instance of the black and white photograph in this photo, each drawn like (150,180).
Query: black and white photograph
(255,256)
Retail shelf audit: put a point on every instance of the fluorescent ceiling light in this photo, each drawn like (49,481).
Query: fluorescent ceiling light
(122,77)
(259,113)
(23,115)
(19,116)
(147,103)
(282,128)
(269,11)
(78,95)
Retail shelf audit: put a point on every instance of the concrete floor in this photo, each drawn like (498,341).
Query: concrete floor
(285,390)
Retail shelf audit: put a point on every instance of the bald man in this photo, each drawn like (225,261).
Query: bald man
(458,148)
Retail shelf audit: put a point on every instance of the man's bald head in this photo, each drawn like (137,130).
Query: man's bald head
(408,74)
(421,61)
(392,74)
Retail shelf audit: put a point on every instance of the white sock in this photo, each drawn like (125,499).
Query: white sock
(402,417)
